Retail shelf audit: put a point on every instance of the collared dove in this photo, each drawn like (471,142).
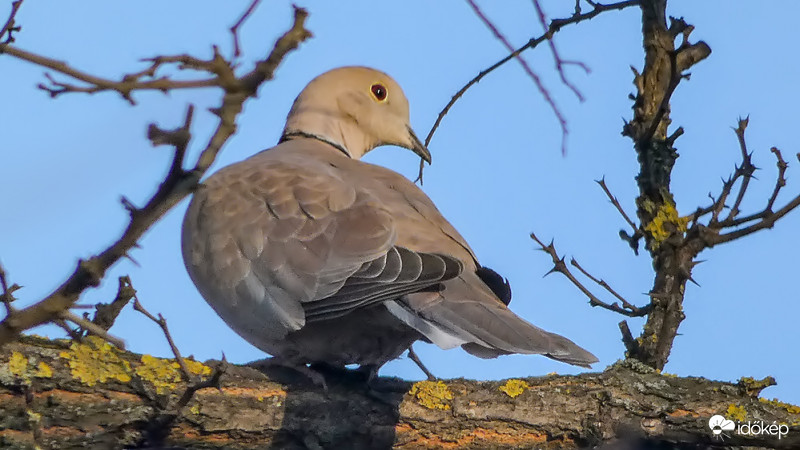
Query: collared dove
(314,256)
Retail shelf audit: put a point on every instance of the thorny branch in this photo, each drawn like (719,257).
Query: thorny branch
(627,309)
(555,26)
(177,184)
(633,238)
(713,232)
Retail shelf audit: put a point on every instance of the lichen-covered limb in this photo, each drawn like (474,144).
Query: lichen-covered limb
(56,394)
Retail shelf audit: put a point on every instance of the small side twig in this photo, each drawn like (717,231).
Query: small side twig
(561,267)
(626,306)
(8,292)
(633,238)
(235,28)
(745,170)
(10,25)
(560,63)
(531,74)
(555,26)
(162,322)
(93,329)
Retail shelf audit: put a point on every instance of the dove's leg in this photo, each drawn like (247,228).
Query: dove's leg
(412,355)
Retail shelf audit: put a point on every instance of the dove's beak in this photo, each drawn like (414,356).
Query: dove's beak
(418,147)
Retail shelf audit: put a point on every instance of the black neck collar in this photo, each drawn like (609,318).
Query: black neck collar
(292,134)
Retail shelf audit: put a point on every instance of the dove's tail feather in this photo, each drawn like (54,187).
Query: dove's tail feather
(467,311)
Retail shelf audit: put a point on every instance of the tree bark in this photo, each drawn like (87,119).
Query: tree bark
(60,394)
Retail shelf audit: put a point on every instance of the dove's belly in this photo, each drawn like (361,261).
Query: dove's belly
(369,336)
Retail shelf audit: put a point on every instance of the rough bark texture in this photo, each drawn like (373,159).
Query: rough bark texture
(673,259)
(57,394)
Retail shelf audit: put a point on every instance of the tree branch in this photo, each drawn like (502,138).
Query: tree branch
(177,185)
(560,266)
(555,26)
(628,405)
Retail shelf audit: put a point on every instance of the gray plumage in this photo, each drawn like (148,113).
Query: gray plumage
(314,256)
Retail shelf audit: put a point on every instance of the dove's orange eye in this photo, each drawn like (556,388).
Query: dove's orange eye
(379,91)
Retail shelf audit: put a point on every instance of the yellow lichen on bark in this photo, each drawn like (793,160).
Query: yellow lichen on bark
(165,374)
(95,361)
(737,413)
(514,387)
(665,222)
(43,371)
(18,365)
(432,394)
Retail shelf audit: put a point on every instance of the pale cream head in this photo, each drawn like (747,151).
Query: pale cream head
(355,109)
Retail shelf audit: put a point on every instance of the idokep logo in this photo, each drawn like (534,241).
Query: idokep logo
(719,425)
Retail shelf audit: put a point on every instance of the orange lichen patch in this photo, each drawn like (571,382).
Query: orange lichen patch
(683,413)
(252,392)
(484,436)
(189,433)
(62,432)
(5,399)
(14,436)
(74,397)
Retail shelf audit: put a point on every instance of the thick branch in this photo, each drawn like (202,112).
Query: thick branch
(626,406)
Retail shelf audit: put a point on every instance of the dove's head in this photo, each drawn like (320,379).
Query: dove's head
(355,109)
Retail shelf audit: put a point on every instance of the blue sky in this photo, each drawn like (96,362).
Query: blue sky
(498,171)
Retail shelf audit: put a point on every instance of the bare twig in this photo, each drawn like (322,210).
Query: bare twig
(93,328)
(162,322)
(9,27)
(626,306)
(780,182)
(560,266)
(8,292)
(235,28)
(615,202)
(633,238)
(745,170)
(554,27)
(176,186)
(97,84)
(560,63)
(533,76)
